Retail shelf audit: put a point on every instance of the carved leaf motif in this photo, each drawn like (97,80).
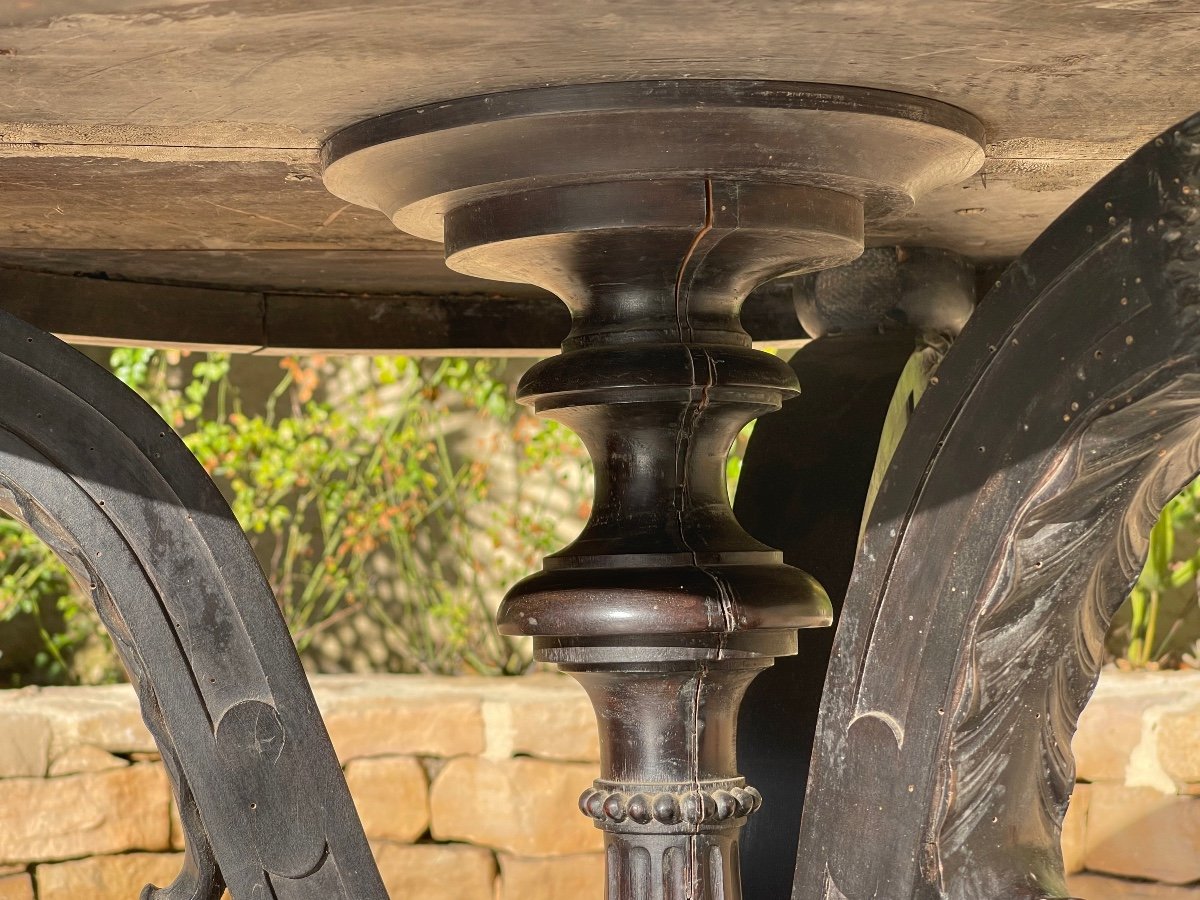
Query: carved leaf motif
(1010,527)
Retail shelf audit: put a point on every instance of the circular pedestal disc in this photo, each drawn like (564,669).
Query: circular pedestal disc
(883,148)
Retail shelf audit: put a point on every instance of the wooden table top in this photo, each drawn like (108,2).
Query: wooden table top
(176,141)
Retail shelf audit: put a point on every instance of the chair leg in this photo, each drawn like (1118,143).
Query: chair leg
(96,474)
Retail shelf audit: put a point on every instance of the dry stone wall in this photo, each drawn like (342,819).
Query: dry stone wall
(1133,829)
(85,810)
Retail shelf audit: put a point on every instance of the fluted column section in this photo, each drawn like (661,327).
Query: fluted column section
(670,801)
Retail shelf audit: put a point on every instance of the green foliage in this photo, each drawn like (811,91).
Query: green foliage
(60,625)
(366,490)
(34,583)
(1161,618)
(363,505)
(737,453)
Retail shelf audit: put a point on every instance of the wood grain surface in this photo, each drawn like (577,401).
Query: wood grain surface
(1011,525)
(166,126)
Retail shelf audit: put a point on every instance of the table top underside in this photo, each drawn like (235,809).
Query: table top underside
(176,142)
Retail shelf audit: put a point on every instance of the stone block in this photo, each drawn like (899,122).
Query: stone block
(552,878)
(24,744)
(83,758)
(106,877)
(526,807)
(106,717)
(1141,833)
(1110,727)
(177,838)
(400,717)
(1097,887)
(16,887)
(392,797)
(81,815)
(436,871)
(1141,729)
(1074,833)
(554,724)
(1179,743)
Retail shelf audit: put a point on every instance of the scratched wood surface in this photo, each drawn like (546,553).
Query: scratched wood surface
(177,129)
(1012,523)
(97,474)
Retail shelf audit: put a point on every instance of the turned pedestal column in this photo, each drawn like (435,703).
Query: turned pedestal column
(652,209)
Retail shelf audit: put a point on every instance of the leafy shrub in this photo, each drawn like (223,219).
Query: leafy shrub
(1160,622)
(365,489)
(51,629)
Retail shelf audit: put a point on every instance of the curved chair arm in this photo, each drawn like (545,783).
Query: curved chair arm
(1013,521)
(97,475)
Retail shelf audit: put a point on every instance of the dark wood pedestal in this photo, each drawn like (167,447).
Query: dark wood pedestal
(1012,519)
(653,209)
